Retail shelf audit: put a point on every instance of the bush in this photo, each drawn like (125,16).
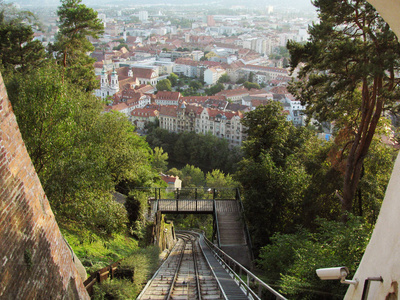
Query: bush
(292,259)
(142,264)
(96,252)
(116,289)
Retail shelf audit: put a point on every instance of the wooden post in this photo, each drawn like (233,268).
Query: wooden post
(177,198)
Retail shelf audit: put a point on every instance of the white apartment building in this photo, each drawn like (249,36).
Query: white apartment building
(222,124)
(143,16)
(211,75)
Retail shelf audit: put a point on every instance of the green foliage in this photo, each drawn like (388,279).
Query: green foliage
(181,22)
(160,160)
(116,289)
(143,263)
(94,251)
(120,46)
(136,206)
(174,172)
(224,78)
(251,85)
(251,77)
(215,89)
(164,85)
(377,169)
(192,176)
(272,195)
(217,179)
(267,130)
(77,22)
(283,175)
(18,51)
(28,259)
(79,153)
(204,151)
(241,81)
(188,222)
(343,64)
(195,84)
(173,78)
(290,260)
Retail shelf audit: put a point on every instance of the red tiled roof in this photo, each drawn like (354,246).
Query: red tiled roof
(144,112)
(186,61)
(168,110)
(228,114)
(142,73)
(168,178)
(267,69)
(209,63)
(201,99)
(166,95)
(279,90)
(119,106)
(234,92)
(145,88)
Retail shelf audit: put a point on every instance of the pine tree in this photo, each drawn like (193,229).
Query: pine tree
(348,75)
(77,22)
(18,51)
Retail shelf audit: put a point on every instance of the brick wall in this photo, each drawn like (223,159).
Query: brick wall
(35,262)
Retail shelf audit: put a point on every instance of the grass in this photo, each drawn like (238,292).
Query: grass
(96,252)
(144,262)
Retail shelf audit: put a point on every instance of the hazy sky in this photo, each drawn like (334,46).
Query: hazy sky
(298,4)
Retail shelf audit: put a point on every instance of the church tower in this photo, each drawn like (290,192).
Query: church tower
(124,34)
(104,78)
(114,87)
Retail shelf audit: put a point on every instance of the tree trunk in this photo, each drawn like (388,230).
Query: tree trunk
(371,109)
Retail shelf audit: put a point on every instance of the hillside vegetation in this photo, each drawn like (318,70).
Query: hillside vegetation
(309,203)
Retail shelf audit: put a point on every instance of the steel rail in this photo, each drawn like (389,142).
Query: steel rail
(196,270)
(177,271)
(156,273)
(222,292)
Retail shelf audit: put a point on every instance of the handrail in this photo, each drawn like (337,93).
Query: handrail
(226,260)
(216,223)
(248,238)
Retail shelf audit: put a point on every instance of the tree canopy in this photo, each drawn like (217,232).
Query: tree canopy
(173,78)
(77,22)
(206,152)
(81,155)
(18,51)
(348,76)
(164,85)
(251,85)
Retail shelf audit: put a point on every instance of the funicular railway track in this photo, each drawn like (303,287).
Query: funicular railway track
(184,275)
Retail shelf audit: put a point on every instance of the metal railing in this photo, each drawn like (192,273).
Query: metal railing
(216,223)
(246,229)
(237,271)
